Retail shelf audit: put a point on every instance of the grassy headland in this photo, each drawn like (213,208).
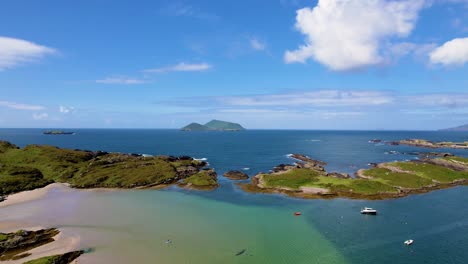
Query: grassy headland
(36,166)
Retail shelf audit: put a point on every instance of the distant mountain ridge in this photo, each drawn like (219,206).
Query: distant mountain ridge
(213,125)
(458,128)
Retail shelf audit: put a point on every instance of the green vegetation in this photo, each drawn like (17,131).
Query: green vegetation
(217,125)
(302,177)
(399,179)
(387,180)
(57,259)
(36,166)
(431,171)
(292,179)
(203,179)
(457,159)
(3,237)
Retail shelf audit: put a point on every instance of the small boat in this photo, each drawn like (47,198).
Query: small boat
(241,252)
(297,213)
(409,242)
(368,210)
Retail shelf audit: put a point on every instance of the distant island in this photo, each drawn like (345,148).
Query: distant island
(58,132)
(458,128)
(213,125)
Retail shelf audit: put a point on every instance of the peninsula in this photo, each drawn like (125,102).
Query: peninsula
(213,125)
(426,143)
(307,178)
(36,166)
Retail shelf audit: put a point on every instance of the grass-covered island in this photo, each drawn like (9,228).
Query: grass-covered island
(308,179)
(428,144)
(36,166)
(58,132)
(213,125)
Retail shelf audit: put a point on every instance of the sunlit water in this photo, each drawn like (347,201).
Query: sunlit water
(212,227)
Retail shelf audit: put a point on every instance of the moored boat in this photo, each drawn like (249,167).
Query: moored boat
(409,242)
(368,210)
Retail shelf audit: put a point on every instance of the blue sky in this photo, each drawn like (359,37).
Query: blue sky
(286,64)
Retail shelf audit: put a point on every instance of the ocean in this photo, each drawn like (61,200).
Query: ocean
(213,227)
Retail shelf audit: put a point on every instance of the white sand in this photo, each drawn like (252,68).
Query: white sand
(27,196)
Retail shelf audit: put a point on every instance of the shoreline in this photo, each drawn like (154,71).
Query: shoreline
(28,196)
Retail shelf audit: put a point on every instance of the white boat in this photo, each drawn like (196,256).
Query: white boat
(409,242)
(368,210)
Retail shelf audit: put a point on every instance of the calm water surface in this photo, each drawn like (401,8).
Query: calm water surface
(211,227)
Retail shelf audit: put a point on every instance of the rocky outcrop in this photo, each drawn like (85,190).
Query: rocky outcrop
(422,143)
(66,258)
(308,163)
(15,244)
(338,175)
(236,175)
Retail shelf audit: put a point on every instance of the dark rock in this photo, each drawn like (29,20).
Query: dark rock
(338,175)
(283,167)
(236,175)
(17,243)
(186,171)
(375,141)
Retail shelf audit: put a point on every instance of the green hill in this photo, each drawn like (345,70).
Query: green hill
(458,128)
(214,125)
(194,127)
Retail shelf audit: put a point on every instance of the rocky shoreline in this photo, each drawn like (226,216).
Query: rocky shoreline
(36,166)
(17,245)
(422,143)
(308,179)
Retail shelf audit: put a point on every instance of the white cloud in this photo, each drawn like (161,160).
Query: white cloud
(66,109)
(120,80)
(14,52)
(20,106)
(439,100)
(451,53)
(313,99)
(257,44)
(349,34)
(182,67)
(40,116)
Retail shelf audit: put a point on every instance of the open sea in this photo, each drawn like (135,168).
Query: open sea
(131,226)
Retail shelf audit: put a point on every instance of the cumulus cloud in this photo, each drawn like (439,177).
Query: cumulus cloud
(15,52)
(20,106)
(257,44)
(181,67)
(349,34)
(40,116)
(120,80)
(451,53)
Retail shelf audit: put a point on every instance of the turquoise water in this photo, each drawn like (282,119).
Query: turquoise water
(211,227)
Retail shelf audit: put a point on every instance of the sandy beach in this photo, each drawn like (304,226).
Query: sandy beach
(27,196)
(63,243)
